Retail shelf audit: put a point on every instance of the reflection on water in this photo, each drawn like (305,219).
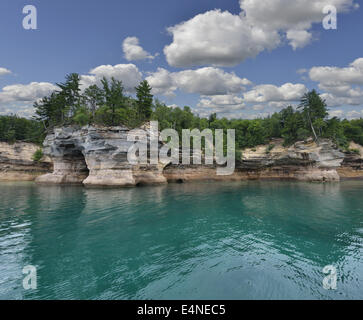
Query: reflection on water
(246,240)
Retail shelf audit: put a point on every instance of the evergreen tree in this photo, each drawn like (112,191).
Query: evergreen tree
(314,108)
(144,100)
(70,93)
(94,97)
(114,100)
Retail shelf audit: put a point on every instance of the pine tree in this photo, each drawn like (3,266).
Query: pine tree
(94,97)
(144,100)
(314,108)
(114,97)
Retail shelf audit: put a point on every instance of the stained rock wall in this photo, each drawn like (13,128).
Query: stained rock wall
(16,163)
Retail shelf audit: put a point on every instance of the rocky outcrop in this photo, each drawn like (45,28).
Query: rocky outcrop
(96,156)
(304,161)
(16,163)
(352,166)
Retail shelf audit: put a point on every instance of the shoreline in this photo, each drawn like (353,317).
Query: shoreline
(97,157)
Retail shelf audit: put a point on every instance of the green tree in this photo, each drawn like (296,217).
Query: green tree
(70,93)
(114,99)
(144,100)
(314,108)
(94,98)
(38,155)
(82,116)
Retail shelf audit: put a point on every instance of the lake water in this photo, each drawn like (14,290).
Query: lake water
(247,240)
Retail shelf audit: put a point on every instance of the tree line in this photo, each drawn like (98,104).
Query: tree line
(108,105)
(105,105)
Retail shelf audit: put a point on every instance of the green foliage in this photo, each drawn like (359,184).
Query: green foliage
(93,97)
(315,111)
(13,128)
(38,155)
(107,105)
(82,116)
(270,148)
(355,151)
(353,130)
(144,100)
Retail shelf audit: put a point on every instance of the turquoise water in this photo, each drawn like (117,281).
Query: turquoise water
(250,240)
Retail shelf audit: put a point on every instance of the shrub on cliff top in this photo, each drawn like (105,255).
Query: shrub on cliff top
(38,155)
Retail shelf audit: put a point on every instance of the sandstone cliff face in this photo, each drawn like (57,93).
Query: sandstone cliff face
(96,156)
(352,166)
(304,161)
(16,163)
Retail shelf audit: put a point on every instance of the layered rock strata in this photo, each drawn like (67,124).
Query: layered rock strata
(16,162)
(97,156)
(304,161)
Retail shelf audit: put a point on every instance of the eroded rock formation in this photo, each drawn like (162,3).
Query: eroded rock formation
(97,156)
(304,161)
(16,162)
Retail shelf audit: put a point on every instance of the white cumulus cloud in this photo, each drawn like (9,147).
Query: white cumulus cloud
(4,71)
(217,38)
(129,74)
(341,86)
(205,81)
(19,98)
(133,50)
(224,39)
(162,82)
(25,92)
(270,93)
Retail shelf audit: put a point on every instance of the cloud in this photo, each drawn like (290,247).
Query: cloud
(210,81)
(223,39)
(291,15)
(271,93)
(25,93)
(207,81)
(346,114)
(294,18)
(334,76)
(133,51)
(4,71)
(129,74)
(217,38)
(162,82)
(336,113)
(19,98)
(341,86)
(298,38)
(353,114)
(221,103)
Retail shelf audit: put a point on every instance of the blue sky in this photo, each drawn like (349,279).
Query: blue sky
(225,61)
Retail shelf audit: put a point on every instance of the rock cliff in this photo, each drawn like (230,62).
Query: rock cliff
(352,166)
(97,156)
(16,163)
(305,161)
